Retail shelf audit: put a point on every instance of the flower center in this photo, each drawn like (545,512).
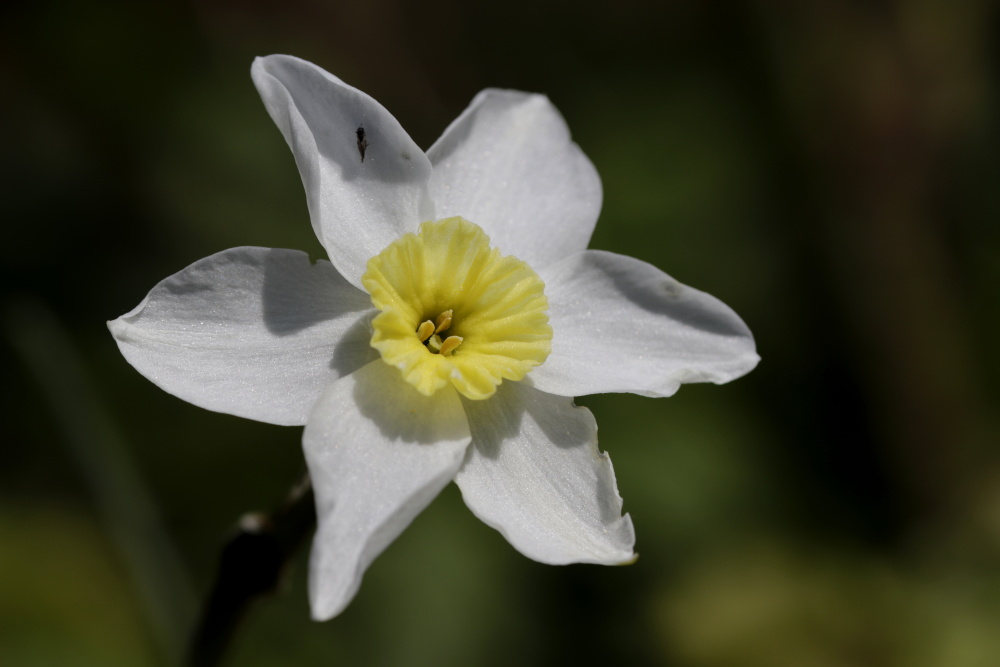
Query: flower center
(453,310)
(428,332)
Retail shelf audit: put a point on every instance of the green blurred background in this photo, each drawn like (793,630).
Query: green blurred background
(828,169)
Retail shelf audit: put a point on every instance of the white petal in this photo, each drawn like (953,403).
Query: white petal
(622,325)
(253,332)
(378,453)
(508,165)
(357,207)
(535,474)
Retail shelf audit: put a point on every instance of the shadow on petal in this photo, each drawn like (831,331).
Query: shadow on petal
(298,293)
(404,414)
(572,428)
(654,291)
(500,416)
(354,349)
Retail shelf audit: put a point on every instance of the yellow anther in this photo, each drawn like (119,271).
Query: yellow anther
(449,345)
(434,343)
(425,330)
(443,321)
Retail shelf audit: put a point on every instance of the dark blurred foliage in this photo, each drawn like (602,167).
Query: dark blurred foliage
(829,169)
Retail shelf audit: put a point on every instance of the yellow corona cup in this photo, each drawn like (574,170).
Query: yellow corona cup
(453,310)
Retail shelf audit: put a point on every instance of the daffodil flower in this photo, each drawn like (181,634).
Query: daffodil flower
(458,316)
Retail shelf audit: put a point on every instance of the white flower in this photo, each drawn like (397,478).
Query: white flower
(419,355)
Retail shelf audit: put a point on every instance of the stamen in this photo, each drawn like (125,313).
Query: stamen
(449,345)
(443,321)
(434,343)
(425,330)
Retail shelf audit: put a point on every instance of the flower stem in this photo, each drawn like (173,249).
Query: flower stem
(250,566)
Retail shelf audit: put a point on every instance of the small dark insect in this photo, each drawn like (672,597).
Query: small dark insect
(362,142)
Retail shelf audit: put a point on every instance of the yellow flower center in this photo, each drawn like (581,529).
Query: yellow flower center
(454,310)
